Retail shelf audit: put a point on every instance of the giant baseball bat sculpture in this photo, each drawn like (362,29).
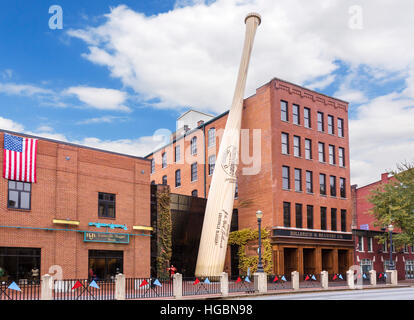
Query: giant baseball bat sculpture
(219,209)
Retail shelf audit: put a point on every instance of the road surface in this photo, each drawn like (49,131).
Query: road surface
(367,294)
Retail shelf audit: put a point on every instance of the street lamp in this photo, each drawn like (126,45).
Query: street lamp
(259,215)
(391,228)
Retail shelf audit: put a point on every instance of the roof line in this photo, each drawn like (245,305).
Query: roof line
(72,144)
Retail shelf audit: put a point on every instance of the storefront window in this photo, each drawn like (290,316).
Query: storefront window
(19,264)
(105,264)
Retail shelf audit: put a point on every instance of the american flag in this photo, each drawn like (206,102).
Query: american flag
(19,161)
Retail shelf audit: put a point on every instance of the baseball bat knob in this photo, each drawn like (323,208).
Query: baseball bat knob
(255,15)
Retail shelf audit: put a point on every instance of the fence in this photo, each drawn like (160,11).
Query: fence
(82,289)
(23,290)
(278,282)
(381,277)
(140,288)
(337,280)
(198,286)
(241,284)
(310,281)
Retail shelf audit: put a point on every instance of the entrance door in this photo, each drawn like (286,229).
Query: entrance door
(343,266)
(105,264)
(327,260)
(309,261)
(290,259)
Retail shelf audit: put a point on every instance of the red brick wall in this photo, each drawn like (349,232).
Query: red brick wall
(68,189)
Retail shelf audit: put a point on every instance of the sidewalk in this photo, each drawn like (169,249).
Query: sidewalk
(401,284)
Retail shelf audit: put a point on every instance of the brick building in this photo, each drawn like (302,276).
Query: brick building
(369,253)
(89,209)
(301,183)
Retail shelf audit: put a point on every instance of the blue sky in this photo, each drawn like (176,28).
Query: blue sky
(120,70)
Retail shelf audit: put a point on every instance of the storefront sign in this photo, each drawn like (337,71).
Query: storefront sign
(311,234)
(106,237)
(108,225)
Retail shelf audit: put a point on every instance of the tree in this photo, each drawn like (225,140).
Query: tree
(394,204)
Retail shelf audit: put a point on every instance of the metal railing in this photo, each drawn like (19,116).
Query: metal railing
(82,289)
(337,280)
(199,286)
(310,281)
(141,288)
(278,282)
(241,284)
(20,290)
(382,277)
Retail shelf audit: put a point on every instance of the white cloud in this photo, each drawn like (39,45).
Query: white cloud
(7,124)
(100,98)
(23,89)
(104,119)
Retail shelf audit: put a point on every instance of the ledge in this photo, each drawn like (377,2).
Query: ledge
(71,222)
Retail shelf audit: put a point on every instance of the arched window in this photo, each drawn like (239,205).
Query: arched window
(164,160)
(153,182)
(211,137)
(193,145)
(194,193)
(152,165)
(178,178)
(164,180)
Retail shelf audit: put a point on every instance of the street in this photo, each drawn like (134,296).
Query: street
(370,294)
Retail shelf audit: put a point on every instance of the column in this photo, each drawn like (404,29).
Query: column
(46,287)
(260,282)
(324,279)
(373,277)
(295,280)
(335,261)
(350,279)
(224,284)
(178,285)
(120,287)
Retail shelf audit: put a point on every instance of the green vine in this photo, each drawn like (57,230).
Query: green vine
(164,230)
(241,238)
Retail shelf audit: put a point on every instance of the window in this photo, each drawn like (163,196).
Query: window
(369,244)
(194,172)
(333,219)
(309,182)
(384,246)
(19,195)
(211,164)
(309,216)
(177,178)
(343,220)
(342,189)
(331,154)
(341,157)
(153,182)
(298,179)
(405,248)
(164,160)
(106,205)
(296,146)
(211,137)
(286,214)
(194,193)
(360,245)
(306,117)
(285,178)
(366,265)
(340,127)
(321,150)
(298,209)
(164,180)
(193,145)
(284,110)
(152,165)
(285,143)
(331,124)
(177,153)
(236,191)
(323,218)
(320,122)
(322,184)
(308,149)
(332,184)
(295,114)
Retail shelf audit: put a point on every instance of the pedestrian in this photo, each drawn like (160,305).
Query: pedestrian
(172,270)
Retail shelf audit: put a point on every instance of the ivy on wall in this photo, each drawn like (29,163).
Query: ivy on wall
(241,238)
(164,230)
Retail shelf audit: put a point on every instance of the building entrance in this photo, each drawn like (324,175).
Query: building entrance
(291,260)
(343,261)
(105,264)
(309,261)
(327,260)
